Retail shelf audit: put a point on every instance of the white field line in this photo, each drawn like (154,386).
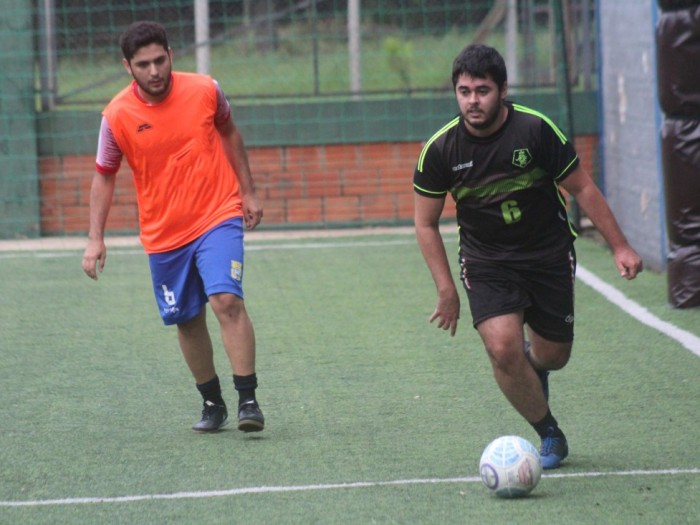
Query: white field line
(641,314)
(325,486)
(688,340)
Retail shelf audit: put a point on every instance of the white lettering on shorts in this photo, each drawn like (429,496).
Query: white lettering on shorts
(168,296)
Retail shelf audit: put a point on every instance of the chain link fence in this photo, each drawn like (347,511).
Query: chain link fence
(273,49)
(333,97)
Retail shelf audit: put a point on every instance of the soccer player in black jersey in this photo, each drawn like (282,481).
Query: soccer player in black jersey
(504,165)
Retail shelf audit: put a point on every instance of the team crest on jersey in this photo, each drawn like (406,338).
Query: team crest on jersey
(521,158)
(236,270)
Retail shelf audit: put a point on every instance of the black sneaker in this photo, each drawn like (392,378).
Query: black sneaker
(214,417)
(250,418)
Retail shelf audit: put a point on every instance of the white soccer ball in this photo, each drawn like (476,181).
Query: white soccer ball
(510,467)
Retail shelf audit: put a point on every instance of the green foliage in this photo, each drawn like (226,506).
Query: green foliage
(399,54)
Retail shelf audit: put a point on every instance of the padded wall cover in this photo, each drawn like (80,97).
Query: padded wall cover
(684,275)
(678,62)
(680,154)
(678,73)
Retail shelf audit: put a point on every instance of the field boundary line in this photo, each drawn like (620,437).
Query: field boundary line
(48,247)
(641,314)
(326,486)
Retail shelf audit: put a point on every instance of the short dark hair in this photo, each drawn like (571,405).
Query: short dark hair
(141,34)
(480,61)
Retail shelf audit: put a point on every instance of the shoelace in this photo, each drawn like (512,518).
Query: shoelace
(209,409)
(551,444)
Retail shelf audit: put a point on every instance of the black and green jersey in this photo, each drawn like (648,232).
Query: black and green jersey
(509,207)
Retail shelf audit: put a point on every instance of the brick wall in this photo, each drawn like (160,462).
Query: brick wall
(300,185)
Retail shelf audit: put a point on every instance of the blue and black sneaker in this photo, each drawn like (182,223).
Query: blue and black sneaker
(553,449)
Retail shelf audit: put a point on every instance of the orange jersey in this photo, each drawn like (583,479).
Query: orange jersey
(184,182)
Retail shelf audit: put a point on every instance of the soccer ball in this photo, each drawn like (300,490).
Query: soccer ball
(510,467)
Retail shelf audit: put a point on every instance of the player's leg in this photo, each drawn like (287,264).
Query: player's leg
(550,326)
(500,300)
(237,332)
(220,264)
(497,302)
(502,336)
(197,349)
(551,355)
(238,336)
(520,383)
(182,301)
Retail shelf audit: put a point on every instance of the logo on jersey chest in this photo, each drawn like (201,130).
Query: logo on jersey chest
(521,158)
(460,167)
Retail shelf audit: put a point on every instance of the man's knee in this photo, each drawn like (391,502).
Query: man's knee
(227,304)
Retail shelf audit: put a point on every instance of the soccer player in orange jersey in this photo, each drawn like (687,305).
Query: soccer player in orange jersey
(195,192)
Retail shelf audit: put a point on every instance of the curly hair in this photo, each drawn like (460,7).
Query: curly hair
(141,34)
(480,61)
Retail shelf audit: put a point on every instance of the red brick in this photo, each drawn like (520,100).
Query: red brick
(359,182)
(305,184)
(268,159)
(274,211)
(284,186)
(396,180)
(51,167)
(67,192)
(76,219)
(79,165)
(50,218)
(341,209)
(301,158)
(378,207)
(405,206)
(340,157)
(322,183)
(380,156)
(304,210)
(408,152)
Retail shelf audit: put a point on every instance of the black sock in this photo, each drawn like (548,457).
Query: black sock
(245,386)
(211,391)
(547,426)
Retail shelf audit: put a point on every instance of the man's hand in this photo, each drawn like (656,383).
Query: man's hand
(447,311)
(252,211)
(628,262)
(94,258)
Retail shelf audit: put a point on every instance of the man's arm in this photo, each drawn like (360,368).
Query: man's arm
(238,158)
(101,194)
(591,201)
(427,217)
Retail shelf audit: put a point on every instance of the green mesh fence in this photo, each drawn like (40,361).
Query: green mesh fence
(298,74)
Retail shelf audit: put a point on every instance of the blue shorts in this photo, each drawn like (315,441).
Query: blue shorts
(184,278)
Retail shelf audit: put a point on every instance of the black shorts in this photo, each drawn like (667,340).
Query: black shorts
(544,293)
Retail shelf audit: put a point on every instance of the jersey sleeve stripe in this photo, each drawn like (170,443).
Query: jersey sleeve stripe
(432,139)
(428,192)
(554,127)
(565,170)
